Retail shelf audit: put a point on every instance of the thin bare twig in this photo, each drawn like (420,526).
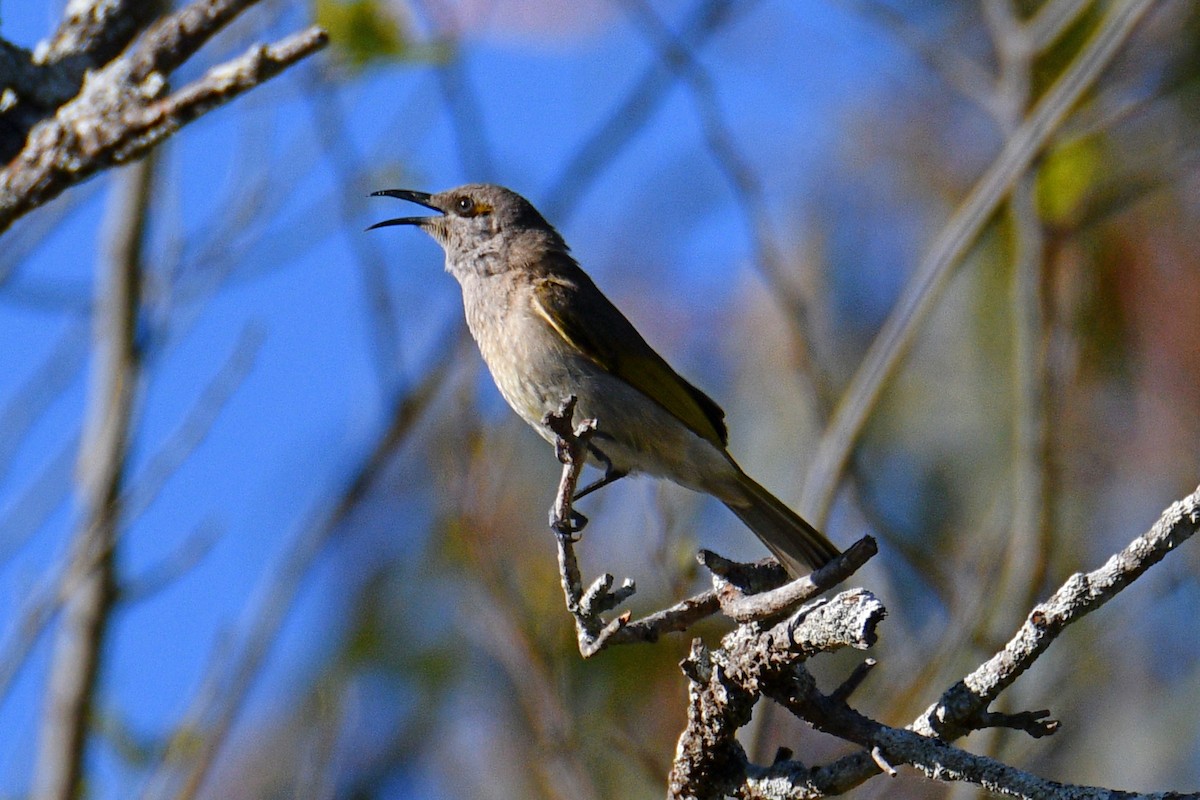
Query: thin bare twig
(230,676)
(630,115)
(102,458)
(743,591)
(755,661)
(742,607)
(892,343)
(1082,594)
(122,110)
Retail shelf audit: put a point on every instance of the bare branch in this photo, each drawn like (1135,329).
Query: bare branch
(102,457)
(230,675)
(925,287)
(734,583)
(749,608)
(958,710)
(121,111)
(648,93)
(754,661)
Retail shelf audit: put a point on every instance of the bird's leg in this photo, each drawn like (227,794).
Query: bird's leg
(611,473)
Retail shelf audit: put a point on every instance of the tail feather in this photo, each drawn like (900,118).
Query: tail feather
(799,546)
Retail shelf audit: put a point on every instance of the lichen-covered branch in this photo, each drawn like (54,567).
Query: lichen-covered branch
(124,108)
(953,715)
(725,684)
(754,661)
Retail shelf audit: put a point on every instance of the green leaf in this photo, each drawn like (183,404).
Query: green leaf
(362,31)
(1067,179)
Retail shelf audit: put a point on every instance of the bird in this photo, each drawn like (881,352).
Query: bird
(547,333)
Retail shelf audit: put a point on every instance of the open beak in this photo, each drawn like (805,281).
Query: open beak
(420,198)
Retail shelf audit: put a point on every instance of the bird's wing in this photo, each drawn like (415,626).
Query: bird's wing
(614,344)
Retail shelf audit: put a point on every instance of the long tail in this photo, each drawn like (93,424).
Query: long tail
(799,546)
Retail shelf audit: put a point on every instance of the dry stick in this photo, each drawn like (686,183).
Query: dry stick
(121,111)
(955,713)
(963,707)
(886,747)
(749,608)
(229,677)
(755,661)
(919,295)
(102,458)
(591,631)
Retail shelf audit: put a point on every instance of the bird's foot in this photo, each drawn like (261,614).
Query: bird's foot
(568,527)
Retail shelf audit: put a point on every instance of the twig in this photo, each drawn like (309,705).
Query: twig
(121,111)
(958,711)
(230,675)
(742,607)
(102,457)
(591,630)
(886,747)
(919,295)
(631,114)
(754,661)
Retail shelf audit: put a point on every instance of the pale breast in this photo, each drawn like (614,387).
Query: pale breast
(528,362)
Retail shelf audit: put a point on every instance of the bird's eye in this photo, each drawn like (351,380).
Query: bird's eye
(464,205)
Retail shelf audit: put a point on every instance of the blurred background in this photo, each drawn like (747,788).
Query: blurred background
(335,575)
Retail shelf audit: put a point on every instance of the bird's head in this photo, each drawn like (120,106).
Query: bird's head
(482,227)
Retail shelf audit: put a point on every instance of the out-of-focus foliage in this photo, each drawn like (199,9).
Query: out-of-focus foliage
(362,31)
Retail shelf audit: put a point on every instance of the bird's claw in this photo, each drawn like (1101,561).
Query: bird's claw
(568,528)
